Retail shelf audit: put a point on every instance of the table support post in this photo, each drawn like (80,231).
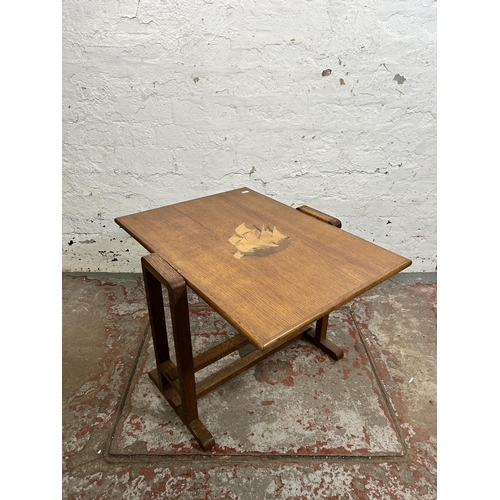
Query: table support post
(157,272)
(320,340)
(154,297)
(183,349)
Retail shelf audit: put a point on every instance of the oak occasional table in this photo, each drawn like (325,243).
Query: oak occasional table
(270,270)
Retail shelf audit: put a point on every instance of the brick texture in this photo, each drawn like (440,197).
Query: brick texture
(329,103)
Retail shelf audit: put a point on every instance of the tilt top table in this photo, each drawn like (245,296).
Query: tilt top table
(268,269)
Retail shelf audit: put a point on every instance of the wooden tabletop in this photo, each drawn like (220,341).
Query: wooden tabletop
(266,268)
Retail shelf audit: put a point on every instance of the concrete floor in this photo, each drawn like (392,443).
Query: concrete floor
(296,426)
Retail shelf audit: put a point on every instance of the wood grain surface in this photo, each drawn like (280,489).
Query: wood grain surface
(265,297)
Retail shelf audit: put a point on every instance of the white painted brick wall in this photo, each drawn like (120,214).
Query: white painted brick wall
(165,101)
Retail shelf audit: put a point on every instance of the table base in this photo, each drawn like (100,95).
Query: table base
(177,382)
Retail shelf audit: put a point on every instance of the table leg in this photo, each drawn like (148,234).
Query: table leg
(154,297)
(320,340)
(157,272)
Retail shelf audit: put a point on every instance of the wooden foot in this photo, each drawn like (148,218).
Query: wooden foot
(319,339)
(196,427)
(327,346)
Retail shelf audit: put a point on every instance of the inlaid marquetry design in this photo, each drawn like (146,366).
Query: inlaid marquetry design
(257,242)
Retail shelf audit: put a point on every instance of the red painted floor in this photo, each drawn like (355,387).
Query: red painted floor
(298,425)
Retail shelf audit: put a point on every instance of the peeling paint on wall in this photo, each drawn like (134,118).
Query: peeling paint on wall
(400,79)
